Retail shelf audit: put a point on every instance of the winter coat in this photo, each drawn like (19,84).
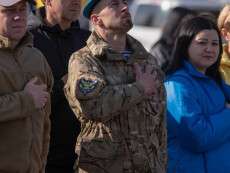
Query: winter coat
(198,123)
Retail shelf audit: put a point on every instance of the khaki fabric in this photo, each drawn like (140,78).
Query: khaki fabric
(122,130)
(225,65)
(24,130)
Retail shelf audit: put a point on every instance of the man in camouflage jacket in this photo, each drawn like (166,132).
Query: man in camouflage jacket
(116,91)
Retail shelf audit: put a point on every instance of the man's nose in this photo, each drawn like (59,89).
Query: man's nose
(124,7)
(209,48)
(16,17)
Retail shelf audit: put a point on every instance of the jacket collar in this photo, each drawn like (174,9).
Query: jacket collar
(192,70)
(100,48)
(7,44)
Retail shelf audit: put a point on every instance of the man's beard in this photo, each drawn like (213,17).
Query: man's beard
(123,27)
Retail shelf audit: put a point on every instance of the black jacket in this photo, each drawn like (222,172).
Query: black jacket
(162,51)
(57,46)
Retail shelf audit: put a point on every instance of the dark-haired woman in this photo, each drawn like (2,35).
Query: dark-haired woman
(197,102)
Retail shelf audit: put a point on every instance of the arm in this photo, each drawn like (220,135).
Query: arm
(162,130)
(161,98)
(196,131)
(15,106)
(162,135)
(95,98)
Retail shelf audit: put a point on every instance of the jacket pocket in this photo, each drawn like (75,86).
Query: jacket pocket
(99,154)
(100,148)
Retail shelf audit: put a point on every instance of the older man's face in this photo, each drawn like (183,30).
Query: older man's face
(13,21)
(68,10)
(115,15)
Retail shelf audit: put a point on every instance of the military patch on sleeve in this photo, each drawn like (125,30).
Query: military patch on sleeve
(87,86)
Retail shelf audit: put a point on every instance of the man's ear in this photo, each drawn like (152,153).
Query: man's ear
(96,20)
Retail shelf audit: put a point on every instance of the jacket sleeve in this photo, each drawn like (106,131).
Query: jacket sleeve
(162,137)
(14,106)
(196,131)
(161,130)
(91,96)
(47,125)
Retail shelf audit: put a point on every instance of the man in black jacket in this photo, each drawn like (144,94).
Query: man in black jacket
(58,37)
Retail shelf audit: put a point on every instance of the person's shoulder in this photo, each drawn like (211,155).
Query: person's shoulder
(35,53)
(35,57)
(179,79)
(176,85)
(84,60)
(81,55)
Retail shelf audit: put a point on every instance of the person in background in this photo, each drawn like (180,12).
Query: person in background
(162,49)
(198,106)
(116,90)
(25,86)
(84,22)
(224,26)
(57,38)
(32,19)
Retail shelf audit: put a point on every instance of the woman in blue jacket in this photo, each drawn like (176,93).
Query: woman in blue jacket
(198,111)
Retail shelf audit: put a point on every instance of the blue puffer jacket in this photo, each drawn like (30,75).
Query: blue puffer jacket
(198,123)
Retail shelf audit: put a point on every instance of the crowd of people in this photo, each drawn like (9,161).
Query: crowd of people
(79,101)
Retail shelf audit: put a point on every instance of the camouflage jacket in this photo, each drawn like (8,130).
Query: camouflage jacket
(118,123)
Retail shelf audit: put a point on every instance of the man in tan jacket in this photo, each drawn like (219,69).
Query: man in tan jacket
(25,82)
(116,91)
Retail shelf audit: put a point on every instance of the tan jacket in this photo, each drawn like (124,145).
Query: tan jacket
(122,130)
(24,130)
(225,65)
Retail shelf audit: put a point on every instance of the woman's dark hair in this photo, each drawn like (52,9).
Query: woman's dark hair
(187,32)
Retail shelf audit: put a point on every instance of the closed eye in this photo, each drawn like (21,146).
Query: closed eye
(215,43)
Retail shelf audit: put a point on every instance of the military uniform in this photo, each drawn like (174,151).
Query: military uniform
(122,130)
